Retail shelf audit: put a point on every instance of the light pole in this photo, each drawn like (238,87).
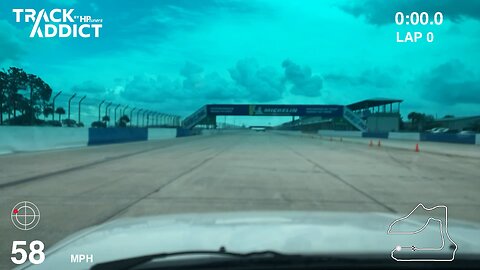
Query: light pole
(107,110)
(99,108)
(53,104)
(151,115)
(131,116)
(148,117)
(79,106)
(122,114)
(161,118)
(143,118)
(165,120)
(167,123)
(178,120)
(138,117)
(69,102)
(115,115)
(124,109)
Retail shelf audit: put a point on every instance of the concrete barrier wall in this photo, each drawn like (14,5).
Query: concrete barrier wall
(411,136)
(184,132)
(450,138)
(408,136)
(20,139)
(23,139)
(161,133)
(116,135)
(383,135)
(338,133)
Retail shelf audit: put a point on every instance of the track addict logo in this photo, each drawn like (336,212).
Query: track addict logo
(59,23)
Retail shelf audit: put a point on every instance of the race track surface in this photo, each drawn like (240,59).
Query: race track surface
(82,187)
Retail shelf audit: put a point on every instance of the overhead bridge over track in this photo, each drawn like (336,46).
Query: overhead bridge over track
(207,114)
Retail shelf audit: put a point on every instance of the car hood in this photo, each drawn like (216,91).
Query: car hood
(287,232)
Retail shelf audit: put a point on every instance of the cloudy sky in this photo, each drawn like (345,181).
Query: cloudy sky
(176,55)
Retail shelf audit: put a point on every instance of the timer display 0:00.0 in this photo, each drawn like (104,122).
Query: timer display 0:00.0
(415,18)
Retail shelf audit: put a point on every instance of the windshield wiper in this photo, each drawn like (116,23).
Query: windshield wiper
(136,261)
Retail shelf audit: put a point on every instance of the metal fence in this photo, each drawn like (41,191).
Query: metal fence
(83,110)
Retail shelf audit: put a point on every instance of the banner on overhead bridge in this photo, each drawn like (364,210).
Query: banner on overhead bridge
(276,110)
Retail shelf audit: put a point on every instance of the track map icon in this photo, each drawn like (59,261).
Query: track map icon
(444,252)
(25,215)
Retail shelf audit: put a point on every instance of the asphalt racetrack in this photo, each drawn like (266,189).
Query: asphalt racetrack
(232,171)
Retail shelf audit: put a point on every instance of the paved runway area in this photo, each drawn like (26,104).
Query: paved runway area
(248,170)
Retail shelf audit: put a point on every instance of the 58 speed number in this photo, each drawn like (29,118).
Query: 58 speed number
(35,254)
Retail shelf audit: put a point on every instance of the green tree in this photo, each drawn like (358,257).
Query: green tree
(99,124)
(22,105)
(420,120)
(106,119)
(30,103)
(414,117)
(474,126)
(47,111)
(40,93)
(16,80)
(3,94)
(60,111)
(123,121)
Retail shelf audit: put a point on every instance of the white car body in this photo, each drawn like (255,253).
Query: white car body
(286,232)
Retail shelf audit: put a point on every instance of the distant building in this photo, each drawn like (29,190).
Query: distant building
(458,123)
(380,114)
(377,115)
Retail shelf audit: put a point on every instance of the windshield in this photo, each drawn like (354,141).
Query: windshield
(134,128)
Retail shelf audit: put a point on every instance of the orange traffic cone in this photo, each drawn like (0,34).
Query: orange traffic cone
(379,144)
(371,143)
(416,148)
